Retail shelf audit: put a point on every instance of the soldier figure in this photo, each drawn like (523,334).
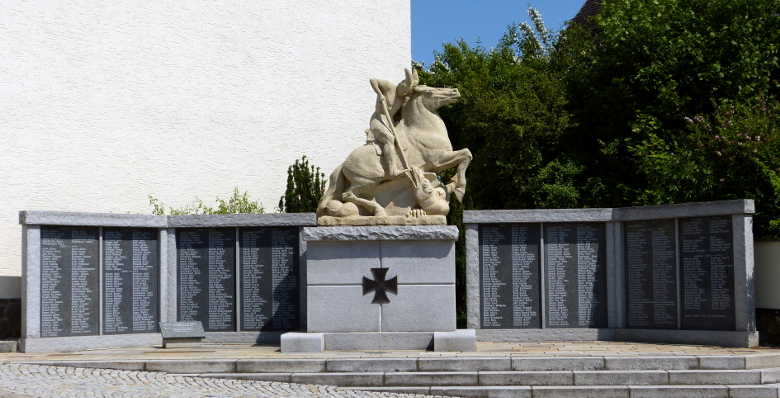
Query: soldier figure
(389,100)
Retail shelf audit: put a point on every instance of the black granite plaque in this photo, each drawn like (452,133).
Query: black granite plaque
(707,273)
(270,274)
(70,281)
(576,275)
(207,278)
(651,274)
(131,271)
(509,269)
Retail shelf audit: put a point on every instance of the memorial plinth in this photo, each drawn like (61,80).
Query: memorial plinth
(378,287)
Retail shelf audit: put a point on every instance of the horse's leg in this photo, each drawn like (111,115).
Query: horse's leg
(352,195)
(461,158)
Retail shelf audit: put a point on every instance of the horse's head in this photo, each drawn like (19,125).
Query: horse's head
(434,98)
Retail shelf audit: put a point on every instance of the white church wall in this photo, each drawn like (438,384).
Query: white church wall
(106,103)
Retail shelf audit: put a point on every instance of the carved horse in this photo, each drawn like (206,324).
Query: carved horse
(429,149)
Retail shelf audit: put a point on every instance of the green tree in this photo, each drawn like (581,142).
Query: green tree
(305,186)
(659,63)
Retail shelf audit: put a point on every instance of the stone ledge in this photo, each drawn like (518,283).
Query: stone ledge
(422,232)
(364,221)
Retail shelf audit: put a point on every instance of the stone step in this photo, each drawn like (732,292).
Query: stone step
(625,391)
(581,378)
(439,364)
(7,346)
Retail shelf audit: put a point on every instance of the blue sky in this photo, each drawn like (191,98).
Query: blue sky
(445,21)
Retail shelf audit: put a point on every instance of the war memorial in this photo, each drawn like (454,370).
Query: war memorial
(373,271)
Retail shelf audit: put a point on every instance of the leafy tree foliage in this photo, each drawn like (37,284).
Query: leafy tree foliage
(238,203)
(617,117)
(305,186)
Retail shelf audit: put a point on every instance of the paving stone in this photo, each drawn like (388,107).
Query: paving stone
(553,378)
(699,377)
(20,380)
(620,377)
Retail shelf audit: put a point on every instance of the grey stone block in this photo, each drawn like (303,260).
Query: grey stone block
(706,337)
(117,365)
(721,362)
(378,341)
(302,342)
(394,390)
(557,363)
(430,261)
(536,215)
(419,308)
(192,366)
(371,365)
(416,233)
(651,363)
(770,376)
(79,343)
(338,309)
(29,217)
(242,220)
(698,377)
(752,391)
(581,392)
(620,377)
(373,379)
(458,340)
(552,378)
(303,365)
(484,391)
(341,263)
(761,361)
(7,346)
(464,364)
(563,334)
(696,209)
(431,379)
(679,391)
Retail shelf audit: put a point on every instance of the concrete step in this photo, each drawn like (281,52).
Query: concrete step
(438,364)
(719,391)
(582,378)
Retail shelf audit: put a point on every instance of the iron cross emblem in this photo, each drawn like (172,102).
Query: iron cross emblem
(379,285)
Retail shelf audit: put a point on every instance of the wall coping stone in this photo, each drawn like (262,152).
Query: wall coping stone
(34,217)
(695,209)
(420,232)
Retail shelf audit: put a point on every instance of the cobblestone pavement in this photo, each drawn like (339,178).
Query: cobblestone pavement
(20,380)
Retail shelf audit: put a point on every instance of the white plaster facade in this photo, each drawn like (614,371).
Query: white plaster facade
(104,103)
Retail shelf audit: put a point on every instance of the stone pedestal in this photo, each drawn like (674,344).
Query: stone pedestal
(394,286)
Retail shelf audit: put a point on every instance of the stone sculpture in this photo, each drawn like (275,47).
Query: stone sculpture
(393,178)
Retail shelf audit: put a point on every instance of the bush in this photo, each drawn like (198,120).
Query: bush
(305,186)
(238,203)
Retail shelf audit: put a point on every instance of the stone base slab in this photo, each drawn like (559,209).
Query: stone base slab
(704,337)
(80,343)
(460,340)
(365,221)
